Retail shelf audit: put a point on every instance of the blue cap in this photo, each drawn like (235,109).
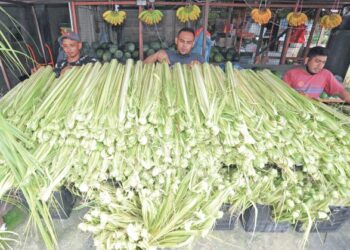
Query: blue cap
(69,35)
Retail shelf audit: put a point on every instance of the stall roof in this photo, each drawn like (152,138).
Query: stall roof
(308,2)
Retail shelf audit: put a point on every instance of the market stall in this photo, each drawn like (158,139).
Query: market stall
(160,156)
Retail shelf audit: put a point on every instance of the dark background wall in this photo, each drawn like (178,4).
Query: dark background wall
(339,52)
(339,49)
(50,17)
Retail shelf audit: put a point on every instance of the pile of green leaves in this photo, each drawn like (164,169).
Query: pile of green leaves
(157,150)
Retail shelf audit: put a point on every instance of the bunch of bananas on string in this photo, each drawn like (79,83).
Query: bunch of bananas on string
(331,21)
(151,17)
(114,17)
(261,16)
(295,19)
(188,13)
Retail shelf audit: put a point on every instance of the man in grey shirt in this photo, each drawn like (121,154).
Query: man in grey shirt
(184,44)
(71,45)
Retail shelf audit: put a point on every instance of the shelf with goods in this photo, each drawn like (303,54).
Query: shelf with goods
(234,28)
(290,43)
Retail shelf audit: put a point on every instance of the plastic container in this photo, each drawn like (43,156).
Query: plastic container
(263,221)
(337,216)
(64,204)
(227,222)
(61,209)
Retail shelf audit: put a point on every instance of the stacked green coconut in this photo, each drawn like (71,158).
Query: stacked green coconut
(107,51)
(221,55)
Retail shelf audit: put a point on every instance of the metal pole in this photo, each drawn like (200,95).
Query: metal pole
(272,27)
(285,46)
(227,24)
(140,36)
(74,15)
(7,81)
(71,15)
(236,27)
(273,40)
(312,31)
(242,29)
(39,33)
(262,27)
(206,14)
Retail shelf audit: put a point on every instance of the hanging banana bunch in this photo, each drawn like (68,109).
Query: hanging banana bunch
(296,18)
(151,17)
(261,16)
(114,17)
(331,21)
(188,13)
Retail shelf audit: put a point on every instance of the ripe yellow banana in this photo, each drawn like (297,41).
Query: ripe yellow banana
(188,13)
(261,16)
(114,17)
(151,17)
(331,21)
(296,18)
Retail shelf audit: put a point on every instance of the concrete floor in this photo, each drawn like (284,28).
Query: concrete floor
(69,237)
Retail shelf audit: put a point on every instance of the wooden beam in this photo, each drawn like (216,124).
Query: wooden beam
(286,45)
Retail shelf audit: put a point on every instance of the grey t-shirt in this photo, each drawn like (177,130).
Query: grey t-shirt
(175,57)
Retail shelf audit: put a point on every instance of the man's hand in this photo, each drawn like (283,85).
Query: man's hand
(194,63)
(345,96)
(162,56)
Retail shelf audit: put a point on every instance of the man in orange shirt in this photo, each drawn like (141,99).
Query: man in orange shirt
(312,79)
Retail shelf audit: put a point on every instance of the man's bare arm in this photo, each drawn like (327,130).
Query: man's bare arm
(159,56)
(345,96)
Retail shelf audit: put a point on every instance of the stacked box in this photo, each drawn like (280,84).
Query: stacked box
(260,219)
(62,207)
(337,216)
(227,221)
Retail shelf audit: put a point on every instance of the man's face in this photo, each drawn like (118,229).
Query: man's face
(71,48)
(184,42)
(316,63)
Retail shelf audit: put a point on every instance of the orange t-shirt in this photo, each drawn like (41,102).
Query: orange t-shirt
(312,85)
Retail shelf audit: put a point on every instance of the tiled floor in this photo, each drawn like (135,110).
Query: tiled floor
(70,238)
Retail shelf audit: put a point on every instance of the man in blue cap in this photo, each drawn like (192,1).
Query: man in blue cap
(71,45)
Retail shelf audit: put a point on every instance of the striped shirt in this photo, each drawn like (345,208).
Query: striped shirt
(312,85)
(81,61)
